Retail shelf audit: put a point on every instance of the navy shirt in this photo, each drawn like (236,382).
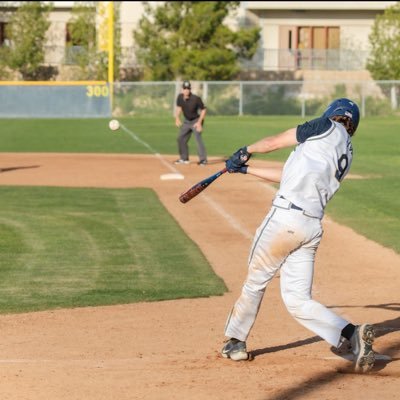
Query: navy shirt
(190,106)
(314,127)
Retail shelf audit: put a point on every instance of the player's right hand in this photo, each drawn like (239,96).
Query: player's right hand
(238,159)
(241,156)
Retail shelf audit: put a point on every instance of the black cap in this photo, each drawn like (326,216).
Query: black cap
(186,85)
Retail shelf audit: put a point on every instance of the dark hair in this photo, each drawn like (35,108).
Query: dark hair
(347,122)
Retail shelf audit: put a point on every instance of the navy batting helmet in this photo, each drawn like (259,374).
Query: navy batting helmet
(344,107)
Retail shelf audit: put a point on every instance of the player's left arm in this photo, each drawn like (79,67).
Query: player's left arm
(266,145)
(199,123)
(203,111)
(271,143)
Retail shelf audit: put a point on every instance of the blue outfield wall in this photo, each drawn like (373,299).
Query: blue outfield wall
(54,101)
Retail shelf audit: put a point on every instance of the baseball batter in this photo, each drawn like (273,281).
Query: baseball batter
(288,238)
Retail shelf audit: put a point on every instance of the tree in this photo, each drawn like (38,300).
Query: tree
(384,60)
(27,33)
(189,39)
(84,45)
(82,37)
(4,69)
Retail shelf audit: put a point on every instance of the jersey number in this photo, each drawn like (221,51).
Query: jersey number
(343,163)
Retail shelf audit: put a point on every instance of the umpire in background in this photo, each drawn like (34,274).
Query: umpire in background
(190,105)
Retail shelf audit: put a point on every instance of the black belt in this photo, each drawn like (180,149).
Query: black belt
(293,205)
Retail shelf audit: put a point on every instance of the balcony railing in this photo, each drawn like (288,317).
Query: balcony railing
(325,59)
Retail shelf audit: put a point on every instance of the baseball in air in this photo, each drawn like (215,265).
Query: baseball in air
(113,124)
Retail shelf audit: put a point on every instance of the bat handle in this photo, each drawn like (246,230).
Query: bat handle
(222,171)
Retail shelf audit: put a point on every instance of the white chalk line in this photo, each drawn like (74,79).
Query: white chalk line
(96,362)
(29,361)
(153,151)
(232,221)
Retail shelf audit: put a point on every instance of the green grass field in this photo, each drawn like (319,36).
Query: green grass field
(76,247)
(69,247)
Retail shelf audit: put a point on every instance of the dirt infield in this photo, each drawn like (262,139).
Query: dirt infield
(170,350)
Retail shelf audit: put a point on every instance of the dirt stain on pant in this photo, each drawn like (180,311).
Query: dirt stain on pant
(284,244)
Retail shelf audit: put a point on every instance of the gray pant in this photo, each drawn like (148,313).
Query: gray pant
(183,138)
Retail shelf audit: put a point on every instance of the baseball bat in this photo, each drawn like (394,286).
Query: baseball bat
(199,187)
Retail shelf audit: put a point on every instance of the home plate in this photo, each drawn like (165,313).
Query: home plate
(168,177)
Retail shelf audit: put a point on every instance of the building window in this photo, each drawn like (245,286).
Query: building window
(68,36)
(304,38)
(73,48)
(317,46)
(318,37)
(4,41)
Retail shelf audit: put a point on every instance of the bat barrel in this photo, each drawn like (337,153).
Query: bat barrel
(184,198)
(199,187)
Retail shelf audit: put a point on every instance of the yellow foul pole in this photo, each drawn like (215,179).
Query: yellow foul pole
(111,52)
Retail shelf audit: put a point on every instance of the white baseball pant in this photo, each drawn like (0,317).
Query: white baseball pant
(287,239)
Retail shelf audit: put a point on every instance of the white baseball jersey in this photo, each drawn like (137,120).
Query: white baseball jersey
(314,170)
(288,238)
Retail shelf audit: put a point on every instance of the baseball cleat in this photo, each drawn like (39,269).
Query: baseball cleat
(235,350)
(361,343)
(181,161)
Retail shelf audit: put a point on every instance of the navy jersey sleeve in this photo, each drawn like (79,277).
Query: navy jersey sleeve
(314,127)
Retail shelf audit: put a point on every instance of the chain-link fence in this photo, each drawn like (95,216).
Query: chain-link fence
(258,97)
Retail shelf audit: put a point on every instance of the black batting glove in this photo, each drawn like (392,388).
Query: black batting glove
(241,156)
(237,161)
